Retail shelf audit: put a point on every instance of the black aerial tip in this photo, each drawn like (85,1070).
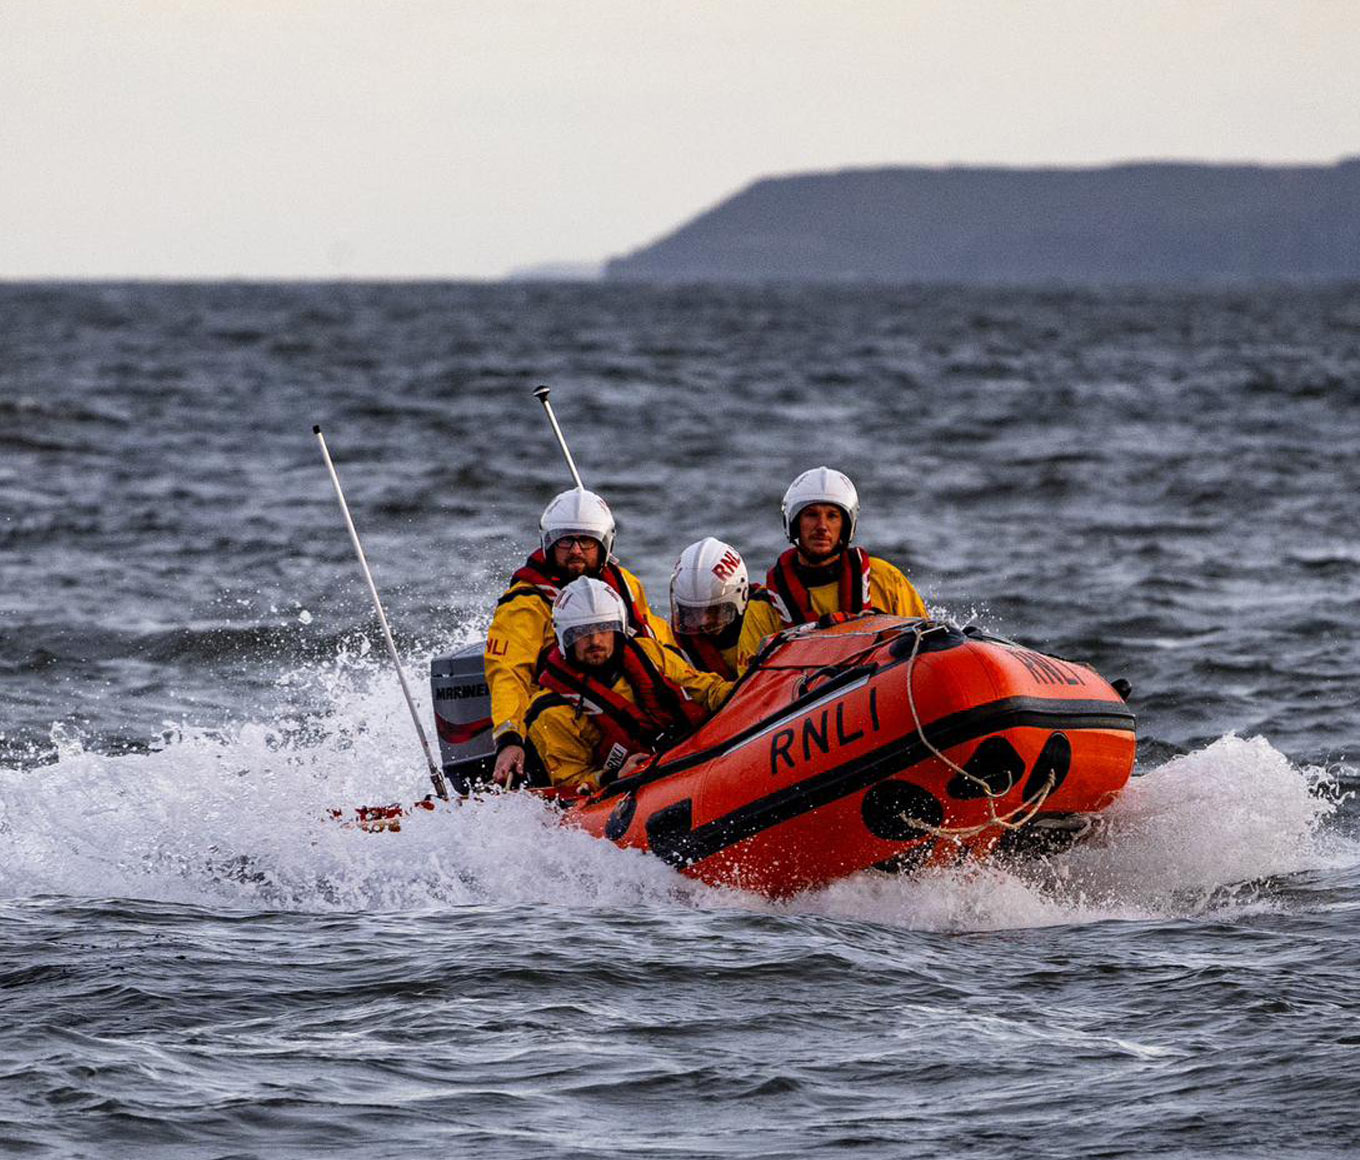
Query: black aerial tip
(316,429)
(542,392)
(1122,687)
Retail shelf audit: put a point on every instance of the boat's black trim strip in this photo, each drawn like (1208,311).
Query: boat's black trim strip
(936,637)
(896,757)
(808,700)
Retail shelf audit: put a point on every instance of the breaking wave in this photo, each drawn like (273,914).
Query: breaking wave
(242,817)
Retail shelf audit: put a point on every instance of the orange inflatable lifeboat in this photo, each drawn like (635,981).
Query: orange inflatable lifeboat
(873,741)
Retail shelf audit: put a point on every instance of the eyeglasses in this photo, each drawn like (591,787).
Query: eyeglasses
(581,542)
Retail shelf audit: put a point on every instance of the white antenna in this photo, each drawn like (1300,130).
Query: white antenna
(435,775)
(541,394)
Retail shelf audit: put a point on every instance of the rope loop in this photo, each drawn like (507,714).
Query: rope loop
(1012,819)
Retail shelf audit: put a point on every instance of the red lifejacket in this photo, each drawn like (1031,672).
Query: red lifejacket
(791,594)
(537,573)
(626,727)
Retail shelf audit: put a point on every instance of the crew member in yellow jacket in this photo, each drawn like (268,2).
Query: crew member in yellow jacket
(718,617)
(610,700)
(577,534)
(822,573)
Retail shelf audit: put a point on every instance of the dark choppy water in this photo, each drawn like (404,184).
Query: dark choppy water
(193,962)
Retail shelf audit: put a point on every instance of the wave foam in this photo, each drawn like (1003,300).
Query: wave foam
(1203,835)
(239,818)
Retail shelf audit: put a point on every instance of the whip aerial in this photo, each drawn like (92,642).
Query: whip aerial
(435,775)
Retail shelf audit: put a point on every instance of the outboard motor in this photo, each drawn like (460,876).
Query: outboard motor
(462,717)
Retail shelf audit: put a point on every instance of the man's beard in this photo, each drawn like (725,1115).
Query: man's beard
(819,559)
(574,569)
(604,670)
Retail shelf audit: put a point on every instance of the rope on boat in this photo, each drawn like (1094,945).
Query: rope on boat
(1013,819)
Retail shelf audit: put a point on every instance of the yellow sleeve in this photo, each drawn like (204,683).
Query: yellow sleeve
(890,591)
(762,620)
(519,632)
(664,634)
(658,624)
(565,742)
(709,689)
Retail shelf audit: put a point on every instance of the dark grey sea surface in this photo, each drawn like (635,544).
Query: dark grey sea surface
(196,961)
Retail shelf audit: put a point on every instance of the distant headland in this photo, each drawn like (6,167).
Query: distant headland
(1137,222)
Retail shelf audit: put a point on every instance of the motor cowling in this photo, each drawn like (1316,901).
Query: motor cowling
(462,716)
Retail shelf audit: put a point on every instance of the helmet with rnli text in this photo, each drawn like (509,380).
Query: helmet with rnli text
(709,588)
(578,513)
(821,485)
(585,606)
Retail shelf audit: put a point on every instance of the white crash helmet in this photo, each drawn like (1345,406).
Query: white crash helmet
(820,485)
(584,606)
(578,513)
(709,588)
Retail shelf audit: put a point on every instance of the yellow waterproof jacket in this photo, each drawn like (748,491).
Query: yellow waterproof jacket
(521,634)
(762,620)
(889,591)
(566,738)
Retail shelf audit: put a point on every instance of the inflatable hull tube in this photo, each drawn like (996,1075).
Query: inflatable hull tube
(874,741)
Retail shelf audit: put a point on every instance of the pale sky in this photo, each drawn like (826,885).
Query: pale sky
(451,138)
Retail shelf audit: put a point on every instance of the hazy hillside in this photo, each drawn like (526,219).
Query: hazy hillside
(1136,222)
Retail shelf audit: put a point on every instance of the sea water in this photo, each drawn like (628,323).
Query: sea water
(196,959)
